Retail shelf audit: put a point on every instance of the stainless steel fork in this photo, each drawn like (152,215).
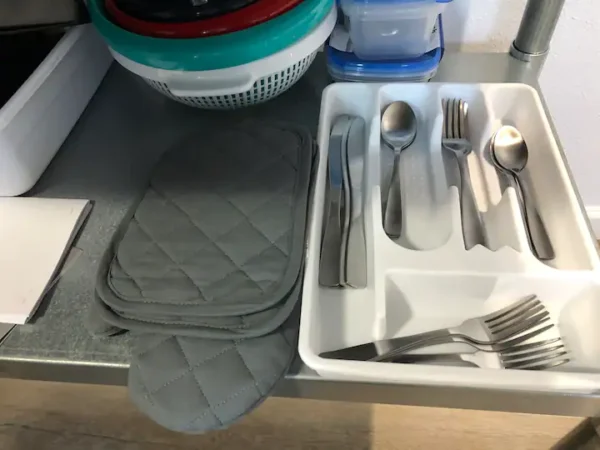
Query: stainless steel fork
(520,318)
(537,356)
(455,139)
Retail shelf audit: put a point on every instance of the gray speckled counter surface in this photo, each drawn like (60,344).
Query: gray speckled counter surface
(107,159)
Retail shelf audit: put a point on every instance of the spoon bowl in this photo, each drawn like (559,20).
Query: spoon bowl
(509,149)
(398,125)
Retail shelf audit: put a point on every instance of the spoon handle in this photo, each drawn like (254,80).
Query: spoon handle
(472,227)
(539,241)
(392,223)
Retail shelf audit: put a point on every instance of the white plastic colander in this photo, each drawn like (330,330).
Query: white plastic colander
(238,86)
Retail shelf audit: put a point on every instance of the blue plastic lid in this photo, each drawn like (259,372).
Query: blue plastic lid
(349,63)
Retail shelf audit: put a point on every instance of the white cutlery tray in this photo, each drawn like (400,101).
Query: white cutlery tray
(427,280)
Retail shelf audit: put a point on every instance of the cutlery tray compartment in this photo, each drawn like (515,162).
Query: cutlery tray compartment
(426,279)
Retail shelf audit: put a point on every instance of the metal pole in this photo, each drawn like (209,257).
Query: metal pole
(536,30)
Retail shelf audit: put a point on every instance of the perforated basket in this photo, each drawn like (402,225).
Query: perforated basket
(239,86)
(262,90)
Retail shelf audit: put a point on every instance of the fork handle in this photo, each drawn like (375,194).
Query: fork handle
(418,341)
(374,350)
(472,227)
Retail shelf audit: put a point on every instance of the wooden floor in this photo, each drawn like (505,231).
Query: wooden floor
(53,416)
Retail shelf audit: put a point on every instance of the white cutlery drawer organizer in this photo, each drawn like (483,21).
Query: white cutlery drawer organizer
(427,280)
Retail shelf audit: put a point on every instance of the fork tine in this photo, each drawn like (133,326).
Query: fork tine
(443,118)
(447,118)
(533,362)
(508,356)
(521,326)
(450,110)
(536,358)
(520,313)
(456,118)
(464,126)
(548,365)
(453,118)
(450,121)
(517,319)
(517,342)
(504,311)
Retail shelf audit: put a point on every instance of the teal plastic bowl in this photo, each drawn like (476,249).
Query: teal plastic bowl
(216,52)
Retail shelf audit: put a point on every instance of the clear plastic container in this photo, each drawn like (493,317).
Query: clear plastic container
(344,65)
(391,29)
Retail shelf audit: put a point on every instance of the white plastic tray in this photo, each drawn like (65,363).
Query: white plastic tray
(40,115)
(427,279)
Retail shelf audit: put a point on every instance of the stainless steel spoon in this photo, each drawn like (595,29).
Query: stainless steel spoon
(398,131)
(510,154)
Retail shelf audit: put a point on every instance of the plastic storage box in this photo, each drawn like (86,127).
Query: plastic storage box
(40,115)
(346,66)
(391,29)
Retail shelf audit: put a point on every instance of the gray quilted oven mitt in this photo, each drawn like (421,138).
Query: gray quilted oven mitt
(195,385)
(206,271)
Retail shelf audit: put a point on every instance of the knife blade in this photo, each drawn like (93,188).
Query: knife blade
(363,352)
(330,267)
(356,254)
(347,205)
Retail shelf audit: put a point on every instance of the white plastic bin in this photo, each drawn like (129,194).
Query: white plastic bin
(40,115)
(391,29)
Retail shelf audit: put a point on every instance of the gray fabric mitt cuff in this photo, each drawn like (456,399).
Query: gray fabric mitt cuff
(196,385)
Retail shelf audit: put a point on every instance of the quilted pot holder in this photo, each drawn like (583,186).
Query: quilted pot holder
(215,245)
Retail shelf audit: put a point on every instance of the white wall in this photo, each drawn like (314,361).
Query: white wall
(482,25)
(569,80)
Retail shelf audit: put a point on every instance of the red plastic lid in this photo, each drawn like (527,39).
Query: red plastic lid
(249,16)
(179,10)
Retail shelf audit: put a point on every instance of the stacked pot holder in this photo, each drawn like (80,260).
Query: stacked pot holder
(205,271)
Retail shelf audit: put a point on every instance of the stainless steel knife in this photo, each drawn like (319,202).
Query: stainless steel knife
(331,268)
(356,254)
